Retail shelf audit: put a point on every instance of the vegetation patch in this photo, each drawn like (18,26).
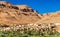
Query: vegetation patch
(29,33)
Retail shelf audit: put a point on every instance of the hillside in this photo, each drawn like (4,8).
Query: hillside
(50,18)
(17,14)
(23,21)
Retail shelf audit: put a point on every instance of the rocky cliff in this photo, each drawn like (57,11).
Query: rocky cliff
(17,14)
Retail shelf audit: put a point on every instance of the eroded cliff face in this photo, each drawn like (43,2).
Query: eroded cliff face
(19,14)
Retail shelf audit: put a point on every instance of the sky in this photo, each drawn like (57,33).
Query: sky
(42,6)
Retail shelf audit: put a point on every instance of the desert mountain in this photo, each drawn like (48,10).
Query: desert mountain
(23,14)
(12,15)
(50,18)
(17,14)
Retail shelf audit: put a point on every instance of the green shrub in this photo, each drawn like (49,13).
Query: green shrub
(30,33)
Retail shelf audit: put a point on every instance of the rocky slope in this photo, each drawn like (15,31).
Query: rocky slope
(24,16)
(19,14)
(50,18)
